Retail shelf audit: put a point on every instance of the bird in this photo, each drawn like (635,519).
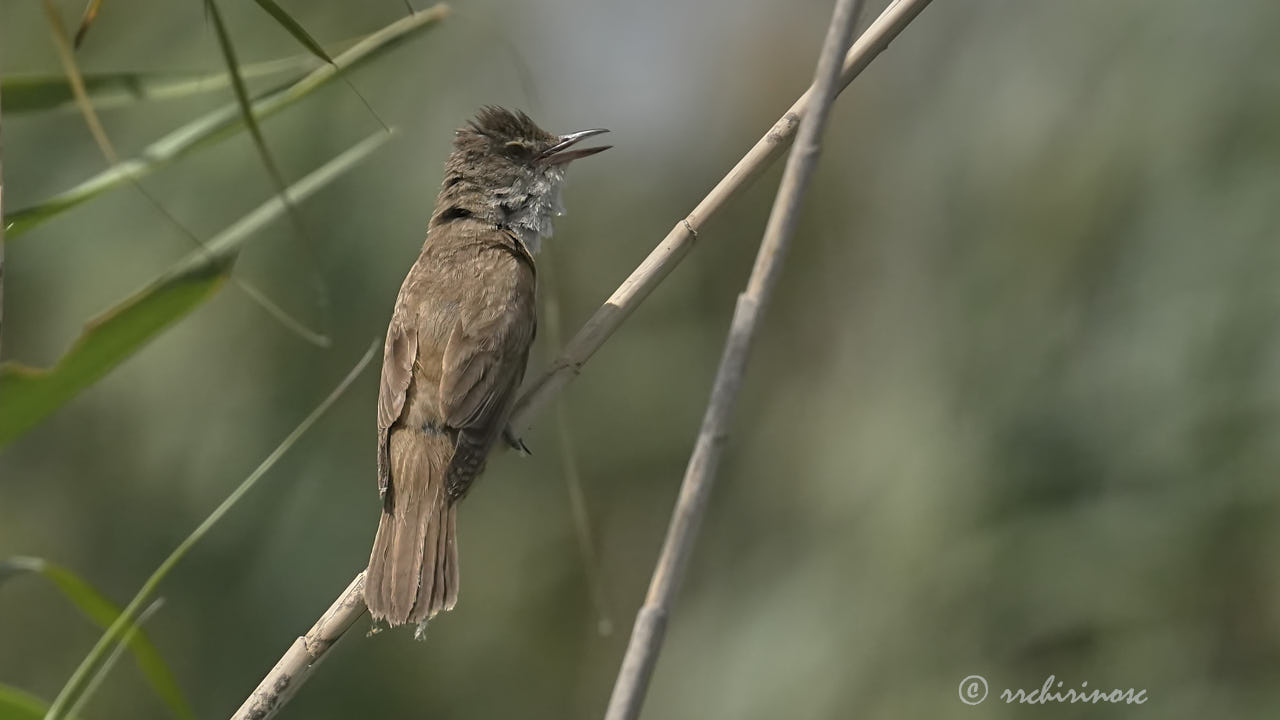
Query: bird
(456,350)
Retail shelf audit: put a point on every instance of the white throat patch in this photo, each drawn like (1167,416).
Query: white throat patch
(530,205)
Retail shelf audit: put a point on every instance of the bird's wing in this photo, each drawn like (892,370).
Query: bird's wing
(484,358)
(482,367)
(398,356)
(477,391)
(485,355)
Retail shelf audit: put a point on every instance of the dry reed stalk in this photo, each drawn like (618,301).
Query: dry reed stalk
(295,667)
(650,626)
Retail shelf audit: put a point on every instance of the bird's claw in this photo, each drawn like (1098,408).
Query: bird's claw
(516,443)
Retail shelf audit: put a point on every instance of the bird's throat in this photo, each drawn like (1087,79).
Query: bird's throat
(529,206)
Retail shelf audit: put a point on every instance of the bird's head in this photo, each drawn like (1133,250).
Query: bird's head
(515,168)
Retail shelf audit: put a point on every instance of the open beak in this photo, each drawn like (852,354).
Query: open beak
(561,153)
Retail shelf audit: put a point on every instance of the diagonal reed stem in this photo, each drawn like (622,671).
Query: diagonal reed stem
(295,666)
(651,622)
(663,259)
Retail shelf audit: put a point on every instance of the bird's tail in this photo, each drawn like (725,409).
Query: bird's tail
(413,571)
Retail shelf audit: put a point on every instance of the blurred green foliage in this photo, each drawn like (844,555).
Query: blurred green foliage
(102,612)
(20,705)
(28,395)
(1013,415)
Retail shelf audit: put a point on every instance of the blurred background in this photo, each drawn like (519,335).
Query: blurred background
(1014,412)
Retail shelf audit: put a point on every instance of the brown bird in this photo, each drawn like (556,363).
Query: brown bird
(456,351)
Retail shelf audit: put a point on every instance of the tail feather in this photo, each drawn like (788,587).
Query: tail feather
(413,567)
(451,558)
(411,521)
(430,569)
(444,590)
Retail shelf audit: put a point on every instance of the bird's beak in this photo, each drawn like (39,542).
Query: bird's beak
(559,153)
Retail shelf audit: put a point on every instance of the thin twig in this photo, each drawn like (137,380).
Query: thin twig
(350,605)
(663,259)
(651,622)
(569,460)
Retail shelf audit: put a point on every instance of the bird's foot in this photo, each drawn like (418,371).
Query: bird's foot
(515,443)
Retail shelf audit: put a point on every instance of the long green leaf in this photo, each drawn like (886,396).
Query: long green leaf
(244,102)
(222,122)
(75,686)
(28,395)
(102,612)
(241,93)
(84,102)
(295,29)
(95,681)
(299,33)
(38,93)
(18,704)
(268,160)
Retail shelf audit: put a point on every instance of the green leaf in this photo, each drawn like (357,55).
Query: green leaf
(242,98)
(28,395)
(81,679)
(221,123)
(295,29)
(18,704)
(264,152)
(132,631)
(304,39)
(102,612)
(37,93)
